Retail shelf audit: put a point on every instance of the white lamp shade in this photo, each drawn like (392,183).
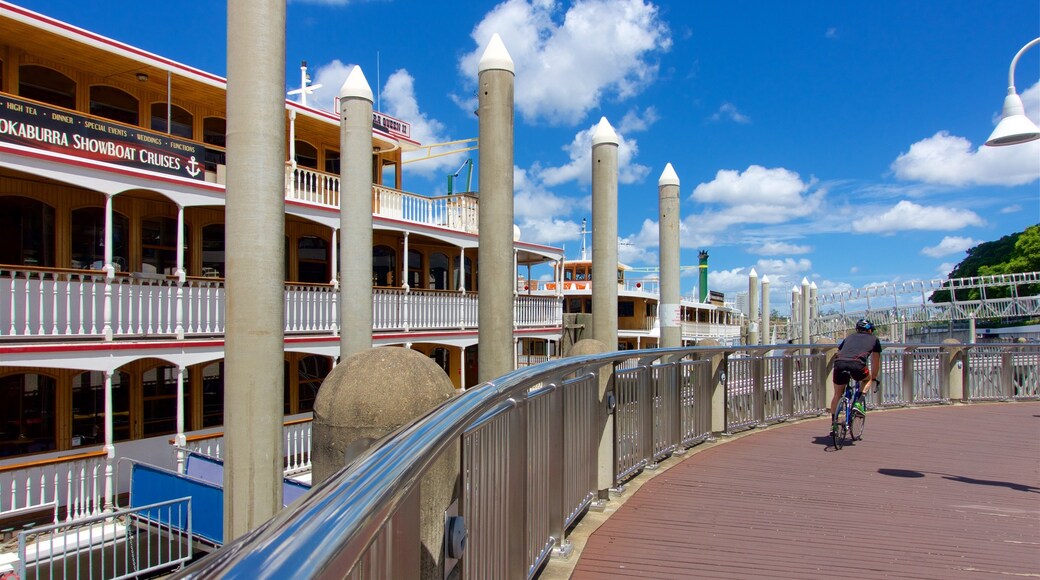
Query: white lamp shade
(1014,127)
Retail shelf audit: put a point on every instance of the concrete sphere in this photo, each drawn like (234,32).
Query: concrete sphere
(369,395)
(708,342)
(587,346)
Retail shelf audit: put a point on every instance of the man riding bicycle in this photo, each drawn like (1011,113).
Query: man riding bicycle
(851,362)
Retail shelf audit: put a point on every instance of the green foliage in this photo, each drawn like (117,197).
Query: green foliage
(1011,254)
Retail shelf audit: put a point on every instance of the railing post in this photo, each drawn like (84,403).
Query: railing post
(908,376)
(758,396)
(516,498)
(647,433)
(718,391)
(557,444)
(1006,373)
(787,385)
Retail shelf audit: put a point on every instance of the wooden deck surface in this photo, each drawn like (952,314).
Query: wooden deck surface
(934,492)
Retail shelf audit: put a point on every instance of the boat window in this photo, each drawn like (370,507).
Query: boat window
(47,86)
(312,260)
(26,232)
(442,357)
(27,418)
(621,276)
(159,401)
(306,154)
(213,251)
(438,271)
(112,103)
(626,308)
(159,245)
(466,279)
(384,263)
(312,371)
(88,239)
(568,275)
(332,161)
(88,408)
(181,121)
(574,306)
(415,269)
(214,132)
(213,394)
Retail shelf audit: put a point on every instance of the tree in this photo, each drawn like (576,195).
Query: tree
(1011,254)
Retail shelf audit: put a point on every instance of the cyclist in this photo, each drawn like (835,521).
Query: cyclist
(851,362)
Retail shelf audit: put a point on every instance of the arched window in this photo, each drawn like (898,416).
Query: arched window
(27,417)
(181,121)
(112,103)
(213,251)
(214,132)
(88,408)
(464,279)
(439,271)
(47,86)
(332,161)
(159,245)
(88,239)
(26,232)
(159,401)
(306,154)
(384,263)
(312,371)
(415,269)
(312,260)
(213,395)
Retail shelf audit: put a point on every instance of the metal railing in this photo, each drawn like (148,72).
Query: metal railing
(36,303)
(126,543)
(530,443)
(69,488)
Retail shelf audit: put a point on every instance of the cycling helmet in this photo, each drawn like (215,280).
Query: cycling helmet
(864,325)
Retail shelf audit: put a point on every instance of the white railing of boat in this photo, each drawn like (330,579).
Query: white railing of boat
(70,488)
(456,212)
(74,303)
(296,440)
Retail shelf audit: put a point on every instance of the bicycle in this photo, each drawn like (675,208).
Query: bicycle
(846,422)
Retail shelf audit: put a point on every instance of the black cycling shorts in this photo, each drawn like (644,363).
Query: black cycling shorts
(844,369)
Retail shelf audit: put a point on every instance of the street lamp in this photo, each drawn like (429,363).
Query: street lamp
(1014,127)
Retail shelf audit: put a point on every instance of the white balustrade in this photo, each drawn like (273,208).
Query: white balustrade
(537,311)
(76,484)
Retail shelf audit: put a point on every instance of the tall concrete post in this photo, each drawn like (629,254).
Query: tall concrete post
(604,233)
(496,277)
(355,214)
(752,335)
(702,284)
(254,237)
(793,328)
(806,339)
(814,311)
(668,241)
(767,337)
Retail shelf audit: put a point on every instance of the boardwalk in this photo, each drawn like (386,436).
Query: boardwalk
(941,492)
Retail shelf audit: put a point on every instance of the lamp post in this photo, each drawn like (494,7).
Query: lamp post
(1014,127)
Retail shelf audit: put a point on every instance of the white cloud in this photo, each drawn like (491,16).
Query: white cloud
(779,248)
(756,196)
(907,215)
(945,268)
(831,33)
(569,62)
(398,100)
(541,214)
(949,245)
(579,168)
(634,121)
(951,160)
(728,111)
(1011,209)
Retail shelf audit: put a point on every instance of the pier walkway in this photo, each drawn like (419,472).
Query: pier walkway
(948,491)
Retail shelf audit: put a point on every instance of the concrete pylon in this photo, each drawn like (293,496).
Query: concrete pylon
(766,337)
(496,276)
(669,313)
(805,312)
(752,334)
(355,214)
(604,233)
(702,285)
(793,328)
(255,233)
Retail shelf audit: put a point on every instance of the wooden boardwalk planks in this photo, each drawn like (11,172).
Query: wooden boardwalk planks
(934,492)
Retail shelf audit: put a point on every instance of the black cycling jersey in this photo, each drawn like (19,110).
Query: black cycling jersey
(858,346)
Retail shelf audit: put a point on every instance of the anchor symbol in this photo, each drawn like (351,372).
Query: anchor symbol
(193,167)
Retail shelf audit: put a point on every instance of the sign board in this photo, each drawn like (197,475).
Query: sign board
(62,131)
(395,127)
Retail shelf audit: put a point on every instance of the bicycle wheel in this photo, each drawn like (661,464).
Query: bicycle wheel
(858,422)
(838,430)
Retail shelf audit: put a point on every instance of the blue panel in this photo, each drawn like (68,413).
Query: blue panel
(292,491)
(150,485)
(205,468)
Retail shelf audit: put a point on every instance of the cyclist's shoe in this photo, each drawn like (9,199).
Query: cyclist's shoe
(859,406)
(834,426)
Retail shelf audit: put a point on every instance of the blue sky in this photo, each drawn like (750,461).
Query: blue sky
(838,141)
